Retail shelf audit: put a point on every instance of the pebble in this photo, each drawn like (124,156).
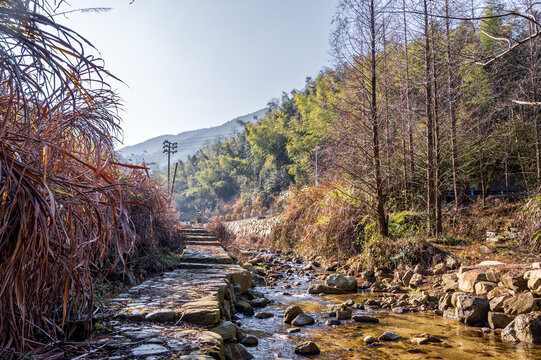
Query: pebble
(370,340)
(264,315)
(293,330)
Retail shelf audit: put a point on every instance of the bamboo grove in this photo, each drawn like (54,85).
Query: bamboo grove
(431,105)
(69,213)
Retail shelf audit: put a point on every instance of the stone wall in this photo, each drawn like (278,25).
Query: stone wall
(258,226)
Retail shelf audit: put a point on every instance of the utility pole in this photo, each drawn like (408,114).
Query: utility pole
(316,149)
(169,148)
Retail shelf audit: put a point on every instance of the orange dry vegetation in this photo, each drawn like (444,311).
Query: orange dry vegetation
(68,212)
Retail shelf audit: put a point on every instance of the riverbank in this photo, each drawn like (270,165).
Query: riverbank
(276,305)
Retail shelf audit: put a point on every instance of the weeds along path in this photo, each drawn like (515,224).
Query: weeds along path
(170,313)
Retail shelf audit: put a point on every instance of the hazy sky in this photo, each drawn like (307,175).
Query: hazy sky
(190,64)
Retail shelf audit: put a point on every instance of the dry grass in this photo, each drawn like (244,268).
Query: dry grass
(68,210)
(324,221)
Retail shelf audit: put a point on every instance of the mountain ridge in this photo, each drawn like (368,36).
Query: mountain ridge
(189,142)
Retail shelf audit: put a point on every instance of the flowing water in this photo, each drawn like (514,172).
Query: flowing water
(345,341)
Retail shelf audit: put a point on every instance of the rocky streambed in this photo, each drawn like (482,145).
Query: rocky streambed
(392,322)
(275,306)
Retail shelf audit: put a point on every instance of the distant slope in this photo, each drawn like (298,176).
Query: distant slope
(189,142)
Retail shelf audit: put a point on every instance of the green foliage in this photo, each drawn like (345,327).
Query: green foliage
(261,162)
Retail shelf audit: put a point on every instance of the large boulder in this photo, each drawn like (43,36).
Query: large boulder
(347,283)
(472,310)
(520,304)
(525,327)
(468,279)
(291,313)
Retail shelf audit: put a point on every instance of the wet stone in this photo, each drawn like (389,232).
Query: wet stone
(365,319)
(307,348)
(302,320)
(142,334)
(389,336)
(162,316)
(149,350)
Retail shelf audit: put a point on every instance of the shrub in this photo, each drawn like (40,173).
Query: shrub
(327,221)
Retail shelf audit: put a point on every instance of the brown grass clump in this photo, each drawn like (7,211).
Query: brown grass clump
(68,210)
(324,221)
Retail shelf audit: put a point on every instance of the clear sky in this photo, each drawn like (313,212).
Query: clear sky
(190,64)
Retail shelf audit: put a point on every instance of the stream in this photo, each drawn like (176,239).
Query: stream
(345,341)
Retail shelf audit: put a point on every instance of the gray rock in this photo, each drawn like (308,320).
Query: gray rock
(472,310)
(369,340)
(534,280)
(520,304)
(344,314)
(202,312)
(439,269)
(346,283)
(162,316)
(249,340)
(496,304)
(236,352)
(389,336)
(291,313)
(307,348)
(226,329)
(149,350)
(515,282)
(302,320)
(407,277)
(525,327)
(483,287)
(445,302)
(468,279)
(245,308)
(324,289)
(498,320)
(264,315)
(365,319)
(416,280)
(259,302)
(332,322)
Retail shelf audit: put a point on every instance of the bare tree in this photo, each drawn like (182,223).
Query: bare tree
(358,42)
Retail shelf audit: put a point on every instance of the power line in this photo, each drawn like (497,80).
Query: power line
(169,148)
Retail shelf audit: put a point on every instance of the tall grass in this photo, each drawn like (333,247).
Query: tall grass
(68,210)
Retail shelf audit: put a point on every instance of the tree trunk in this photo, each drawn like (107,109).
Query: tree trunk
(380,208)
(429,125)
(451,104)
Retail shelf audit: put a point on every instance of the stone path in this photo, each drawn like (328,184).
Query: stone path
(169,314)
